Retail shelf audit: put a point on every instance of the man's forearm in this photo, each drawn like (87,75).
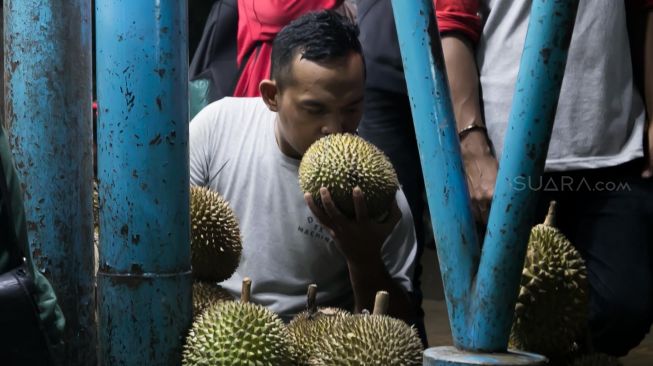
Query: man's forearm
(648,65)
(463,83)
(368,278)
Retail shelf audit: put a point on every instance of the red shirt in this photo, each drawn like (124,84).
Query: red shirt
(260,21)
(462,15)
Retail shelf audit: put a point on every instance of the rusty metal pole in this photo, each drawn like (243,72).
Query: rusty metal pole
(144,279)
(48,97)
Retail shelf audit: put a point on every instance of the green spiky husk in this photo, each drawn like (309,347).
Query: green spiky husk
(342,162)
(206,294)
(552,307)
(362,340)
(215,236)
(307,331)
(237,334)
(597,359)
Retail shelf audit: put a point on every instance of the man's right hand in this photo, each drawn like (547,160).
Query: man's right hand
(481,170)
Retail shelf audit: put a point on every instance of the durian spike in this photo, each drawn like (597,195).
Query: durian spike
(246,290)
(381,303)
(311,303)
(551,215)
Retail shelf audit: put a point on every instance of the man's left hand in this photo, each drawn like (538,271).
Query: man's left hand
(359,239)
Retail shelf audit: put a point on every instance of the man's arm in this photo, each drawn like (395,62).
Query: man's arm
(648,90)
(460,26)
(480,164)
(360,240)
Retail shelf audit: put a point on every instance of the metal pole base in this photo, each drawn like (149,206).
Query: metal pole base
(452,356)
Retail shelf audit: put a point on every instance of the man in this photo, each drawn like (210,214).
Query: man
(249,150)
(598,142)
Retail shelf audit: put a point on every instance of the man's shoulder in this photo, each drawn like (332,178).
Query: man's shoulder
(228,111)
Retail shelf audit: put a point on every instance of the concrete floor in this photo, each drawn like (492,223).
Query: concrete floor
(437,324)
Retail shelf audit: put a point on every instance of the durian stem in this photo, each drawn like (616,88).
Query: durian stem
(311,303)
(246,290)
(381,303)
(551,215)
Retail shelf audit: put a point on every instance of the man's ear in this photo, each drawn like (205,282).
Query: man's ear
(269,93)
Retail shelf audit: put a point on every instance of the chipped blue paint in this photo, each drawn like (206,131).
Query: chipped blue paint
(435,128)
(481,296)
(144,282)
(526,144)
(48,106)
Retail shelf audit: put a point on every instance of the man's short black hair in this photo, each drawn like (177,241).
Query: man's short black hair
(318,36)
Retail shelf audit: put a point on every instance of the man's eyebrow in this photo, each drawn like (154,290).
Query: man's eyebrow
(311,103)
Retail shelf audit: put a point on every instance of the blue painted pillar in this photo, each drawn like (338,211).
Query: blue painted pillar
(526,144)
(481,296)
(439,148)
(48,106)
(144,279)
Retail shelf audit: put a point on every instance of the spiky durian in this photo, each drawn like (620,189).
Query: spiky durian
(308,330)
(361,340)
(552,307)
(597,359)
(341,162)
(215,237)
(235,333)
(207,293)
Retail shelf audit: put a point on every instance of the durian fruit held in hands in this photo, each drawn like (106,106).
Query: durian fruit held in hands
(206,294)
(341,162)
(215,236)
(552,307)
(234,333)
(308,328)
(361,340)
(597,359)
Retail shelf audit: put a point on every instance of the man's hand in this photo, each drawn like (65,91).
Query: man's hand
(648,151)
(481,170)
(359,239)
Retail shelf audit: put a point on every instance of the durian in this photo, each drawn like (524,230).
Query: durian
(597,359)
(362,340)
(215,237)
(234,333)
(552,307)
(341,162)
(207,293)
(310,327)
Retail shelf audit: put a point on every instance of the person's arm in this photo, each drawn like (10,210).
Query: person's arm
(360,240)
(460,28)
(648,90)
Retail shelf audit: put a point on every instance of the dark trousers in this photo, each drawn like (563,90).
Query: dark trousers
(608,215)
(387,123)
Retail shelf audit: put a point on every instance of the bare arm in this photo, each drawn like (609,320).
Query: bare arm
(480,165)
(648,92)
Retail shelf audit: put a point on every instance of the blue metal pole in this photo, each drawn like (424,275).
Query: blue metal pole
(144,279)
(439,149)
(48,106)
(526,144)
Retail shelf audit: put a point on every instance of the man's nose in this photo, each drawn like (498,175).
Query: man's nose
(334,125)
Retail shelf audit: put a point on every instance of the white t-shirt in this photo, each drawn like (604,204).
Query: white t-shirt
(600,116)
(233,151)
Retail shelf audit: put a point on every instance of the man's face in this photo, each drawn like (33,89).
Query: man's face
(319,99)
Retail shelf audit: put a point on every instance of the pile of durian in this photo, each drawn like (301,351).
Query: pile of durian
(552,308)
(243,333)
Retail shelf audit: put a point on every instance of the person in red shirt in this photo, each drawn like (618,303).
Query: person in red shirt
(611,229)
(259,21)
